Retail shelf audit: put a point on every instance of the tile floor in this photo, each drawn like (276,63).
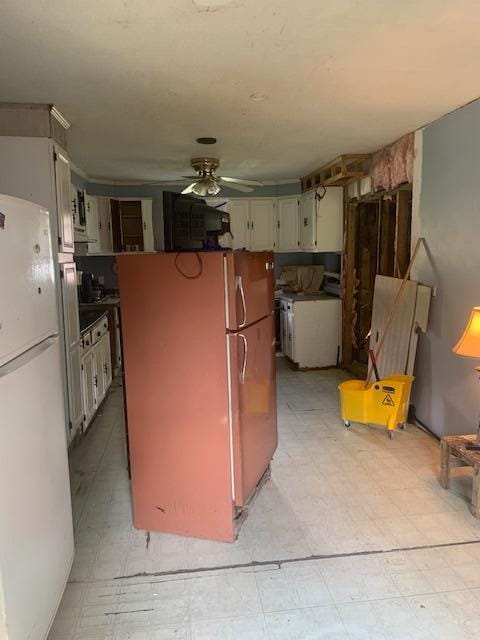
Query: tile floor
(334,493)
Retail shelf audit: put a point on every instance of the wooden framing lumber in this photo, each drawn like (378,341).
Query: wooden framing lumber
(338,172)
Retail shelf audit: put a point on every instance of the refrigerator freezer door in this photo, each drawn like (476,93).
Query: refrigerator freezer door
(250,287)
(28,311)
(175,353)
(36,532)
(254,412)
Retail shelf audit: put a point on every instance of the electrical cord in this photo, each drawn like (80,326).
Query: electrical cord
(187,275)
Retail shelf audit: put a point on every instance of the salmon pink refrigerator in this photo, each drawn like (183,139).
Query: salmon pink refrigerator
(199,357)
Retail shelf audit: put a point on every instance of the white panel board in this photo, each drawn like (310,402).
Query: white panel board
(395,349)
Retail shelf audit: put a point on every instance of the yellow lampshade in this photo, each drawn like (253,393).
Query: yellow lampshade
(469,343)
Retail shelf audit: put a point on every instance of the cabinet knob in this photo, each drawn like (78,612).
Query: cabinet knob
(99,333)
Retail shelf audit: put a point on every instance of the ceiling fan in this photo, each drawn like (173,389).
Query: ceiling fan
(207,183)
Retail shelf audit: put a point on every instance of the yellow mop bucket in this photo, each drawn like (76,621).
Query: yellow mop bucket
(384,402)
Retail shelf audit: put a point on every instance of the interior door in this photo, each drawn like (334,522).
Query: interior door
(287,224)
(64,205)
(254,404)
(147,221)
(36,533)
(261,224)
(250,287)
(239,222)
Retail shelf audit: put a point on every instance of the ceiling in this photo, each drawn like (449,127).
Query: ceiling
(140,80)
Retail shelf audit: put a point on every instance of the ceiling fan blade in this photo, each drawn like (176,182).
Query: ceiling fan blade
(237,187)
(252,183)
(191,177)
(189,189)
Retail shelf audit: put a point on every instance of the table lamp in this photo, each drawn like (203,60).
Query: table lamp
(469,345)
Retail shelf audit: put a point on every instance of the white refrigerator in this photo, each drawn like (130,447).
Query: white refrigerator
(36,532)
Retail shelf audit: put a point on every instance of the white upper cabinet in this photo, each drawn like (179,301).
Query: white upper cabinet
(104,244)
(262,212)
(252,223)
(64,205)
(239,210)
(307,221)
(321,221)
(91,215)
(286,224)
(330,221)
(147,222)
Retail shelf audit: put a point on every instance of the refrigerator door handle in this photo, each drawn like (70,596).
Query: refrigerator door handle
(27,356)
(245,356)
(244,304)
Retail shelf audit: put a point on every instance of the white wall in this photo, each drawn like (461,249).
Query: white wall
(447,390)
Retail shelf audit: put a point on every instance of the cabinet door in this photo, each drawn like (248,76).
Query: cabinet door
(261,224)
(93,231)
(239,223)
(330,221)
(88,374)
(147,222)
(74,205)
(99,375)
(64,209)
(289,336)
(70,305)
(286,237)
(107,361)
(104,226)
(283,330)
(307,221)
(75,391)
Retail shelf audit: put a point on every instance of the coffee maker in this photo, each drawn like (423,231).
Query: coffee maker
(90,290)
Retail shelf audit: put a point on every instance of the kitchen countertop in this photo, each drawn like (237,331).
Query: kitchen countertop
(89,318)
(108,300)
(306,297)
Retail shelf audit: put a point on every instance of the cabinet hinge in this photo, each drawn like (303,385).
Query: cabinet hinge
(315,243)
(59,240)
(84,417)
(62,273)
(55,156)
(70,425)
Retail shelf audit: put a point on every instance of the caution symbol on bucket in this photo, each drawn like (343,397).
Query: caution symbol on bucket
(388,400)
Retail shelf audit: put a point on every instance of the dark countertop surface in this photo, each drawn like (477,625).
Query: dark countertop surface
(107,301)
(89,318)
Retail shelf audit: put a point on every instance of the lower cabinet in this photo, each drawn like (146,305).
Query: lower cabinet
(96,375)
